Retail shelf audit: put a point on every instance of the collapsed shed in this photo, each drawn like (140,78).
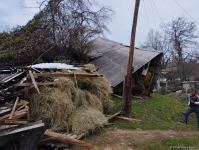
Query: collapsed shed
(111,59)
(68,99)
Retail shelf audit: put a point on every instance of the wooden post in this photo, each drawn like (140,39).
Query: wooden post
(127,89)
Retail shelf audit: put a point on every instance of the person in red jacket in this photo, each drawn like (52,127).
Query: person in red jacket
(193,107)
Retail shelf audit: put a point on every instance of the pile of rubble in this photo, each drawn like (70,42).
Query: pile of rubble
(33,98)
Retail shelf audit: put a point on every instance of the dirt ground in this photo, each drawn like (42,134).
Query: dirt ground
(119,139)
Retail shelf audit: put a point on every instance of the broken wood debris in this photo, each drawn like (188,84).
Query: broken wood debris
(129,119)
(15,117)
(14,107)
(117,116)
(60,74)
(33,81)
(113,116)
(67,139)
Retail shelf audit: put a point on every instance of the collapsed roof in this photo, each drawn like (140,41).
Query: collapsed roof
(111,58)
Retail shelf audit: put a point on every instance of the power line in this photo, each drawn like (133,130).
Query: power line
(185,11)
(146,14)
(154,14)
(157,11)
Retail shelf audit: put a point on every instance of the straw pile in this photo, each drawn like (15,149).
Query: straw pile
(87,118)
(71,108)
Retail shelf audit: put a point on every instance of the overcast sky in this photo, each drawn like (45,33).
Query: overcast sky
(152,13)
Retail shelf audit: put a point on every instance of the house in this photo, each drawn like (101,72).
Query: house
(111,58)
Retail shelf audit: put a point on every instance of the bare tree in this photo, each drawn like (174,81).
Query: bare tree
(156,41)
(181,35)
(61,31)
(73,24)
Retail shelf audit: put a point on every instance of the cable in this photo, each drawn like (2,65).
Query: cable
(145,10)
(186,12)
(154,14)
(157,11)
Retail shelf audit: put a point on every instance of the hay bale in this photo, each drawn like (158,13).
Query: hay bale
(91,67)
(52,104)
(99,87)
(67,85)
(69,108)
(85,98)
(87,119)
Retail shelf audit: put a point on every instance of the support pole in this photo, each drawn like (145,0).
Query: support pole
(127,90)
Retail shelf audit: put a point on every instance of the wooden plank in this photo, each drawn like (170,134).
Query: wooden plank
(4,111)
(20,115)
(118,96)
(16,115)
(14,122)
(60,74)
(69,135)
(23,106)
(113,116)
(129,119)
(14,108)
(28,112)
(11,77)
(75,79)
(138,97)
(81,136)
(67,140)
(33,81)
(73,136)
(38,84)
(22,129)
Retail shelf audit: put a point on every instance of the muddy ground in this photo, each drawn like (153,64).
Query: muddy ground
(120,139)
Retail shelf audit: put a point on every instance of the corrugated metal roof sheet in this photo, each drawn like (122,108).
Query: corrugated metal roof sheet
(111,58)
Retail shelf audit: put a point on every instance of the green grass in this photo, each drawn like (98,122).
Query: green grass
(157,112)
(172,144)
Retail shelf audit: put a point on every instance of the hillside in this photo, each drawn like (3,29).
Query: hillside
(161,127)
(157,112)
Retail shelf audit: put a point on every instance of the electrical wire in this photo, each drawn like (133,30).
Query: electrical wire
(154,15)
(146,14)
(157,11)
(185,11)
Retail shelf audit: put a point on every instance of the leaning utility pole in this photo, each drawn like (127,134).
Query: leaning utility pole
(127,90)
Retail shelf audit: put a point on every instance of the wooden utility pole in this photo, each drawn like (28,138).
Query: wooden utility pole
(127,90)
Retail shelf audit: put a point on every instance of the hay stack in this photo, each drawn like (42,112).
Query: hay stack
(54,105)
(73,109)
(87,119)
(100,88)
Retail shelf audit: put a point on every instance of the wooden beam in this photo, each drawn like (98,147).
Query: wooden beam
(23,106)
(75,80)
(33,81)
(113,116)
(13,122)
(14,108)
(129,119)
(16,115)
(60,74)
(19,115)
(66,139)
(27,127)
(38,84)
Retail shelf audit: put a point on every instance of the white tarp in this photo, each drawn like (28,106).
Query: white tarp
(54,66)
